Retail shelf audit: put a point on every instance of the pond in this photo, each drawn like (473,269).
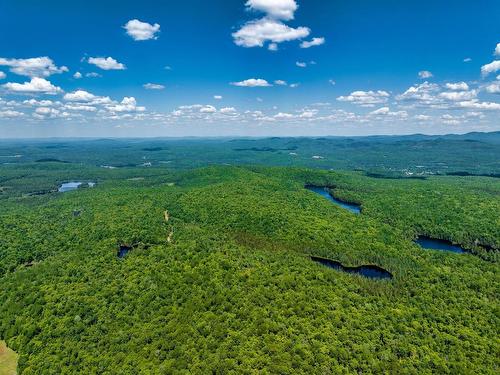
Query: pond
(68,186)
(73,185)
(123,250)
(324,192)
(370,271)
(436,244)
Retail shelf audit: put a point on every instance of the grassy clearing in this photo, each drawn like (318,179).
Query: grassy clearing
(8,360)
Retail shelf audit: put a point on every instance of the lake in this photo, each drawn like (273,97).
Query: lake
(68,186)
(323,191)
(436,244)
(73,185)
(370,271)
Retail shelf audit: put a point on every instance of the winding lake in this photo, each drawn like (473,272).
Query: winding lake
(370,271)
(435,244)
(323,191)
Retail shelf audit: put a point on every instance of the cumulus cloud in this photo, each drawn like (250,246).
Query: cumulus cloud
(424,74)
(33,67)
(301,64)
(141,30)
(312,43)
(365,98)
(10,114)
(458,95)
(278,9)
(492,67)
(77,75)
(217,97)
(497,50)
(475,104)
(83,96)
(256,33)
(493,88)
(252,82)
(153,86)
(467,59)
(2,75)
(459,86)
(385,111)
(128,104)
(228,110)
(107,63)
(36,85)
(79,96)
(424,93)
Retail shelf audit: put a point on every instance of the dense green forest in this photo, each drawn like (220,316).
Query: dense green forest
(219,277)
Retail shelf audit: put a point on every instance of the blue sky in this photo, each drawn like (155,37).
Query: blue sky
(256,67)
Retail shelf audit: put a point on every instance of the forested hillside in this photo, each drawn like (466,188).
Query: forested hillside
(219,277)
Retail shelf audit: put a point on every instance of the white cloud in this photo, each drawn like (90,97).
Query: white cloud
(79,96)
(492,67)
(252,82)
(33,67)
(467,59)
(278,9)
(497,50)
(301,64)
(128,104)
(77,75)
(82,96)
(424,74)
(10,114)
(459,86)
(312,43)
(474,104)
(294,85)
(217,97)
(493,88)
(36,85)
(228,110)
(80,107)
(423,93)
(458,95)
(2,75)
(39,103)
(280,82)
(272,47)
(153,86)
(256,33)
(141,30)
(422,117)
(107,63)
(93,75)
(332,82)
(385,111)
(283,116)
(365,98)
(208,109)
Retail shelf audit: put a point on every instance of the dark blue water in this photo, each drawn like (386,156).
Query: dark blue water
(68,186)
(323,191)
(371,271)
(431,243)
(123,250)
